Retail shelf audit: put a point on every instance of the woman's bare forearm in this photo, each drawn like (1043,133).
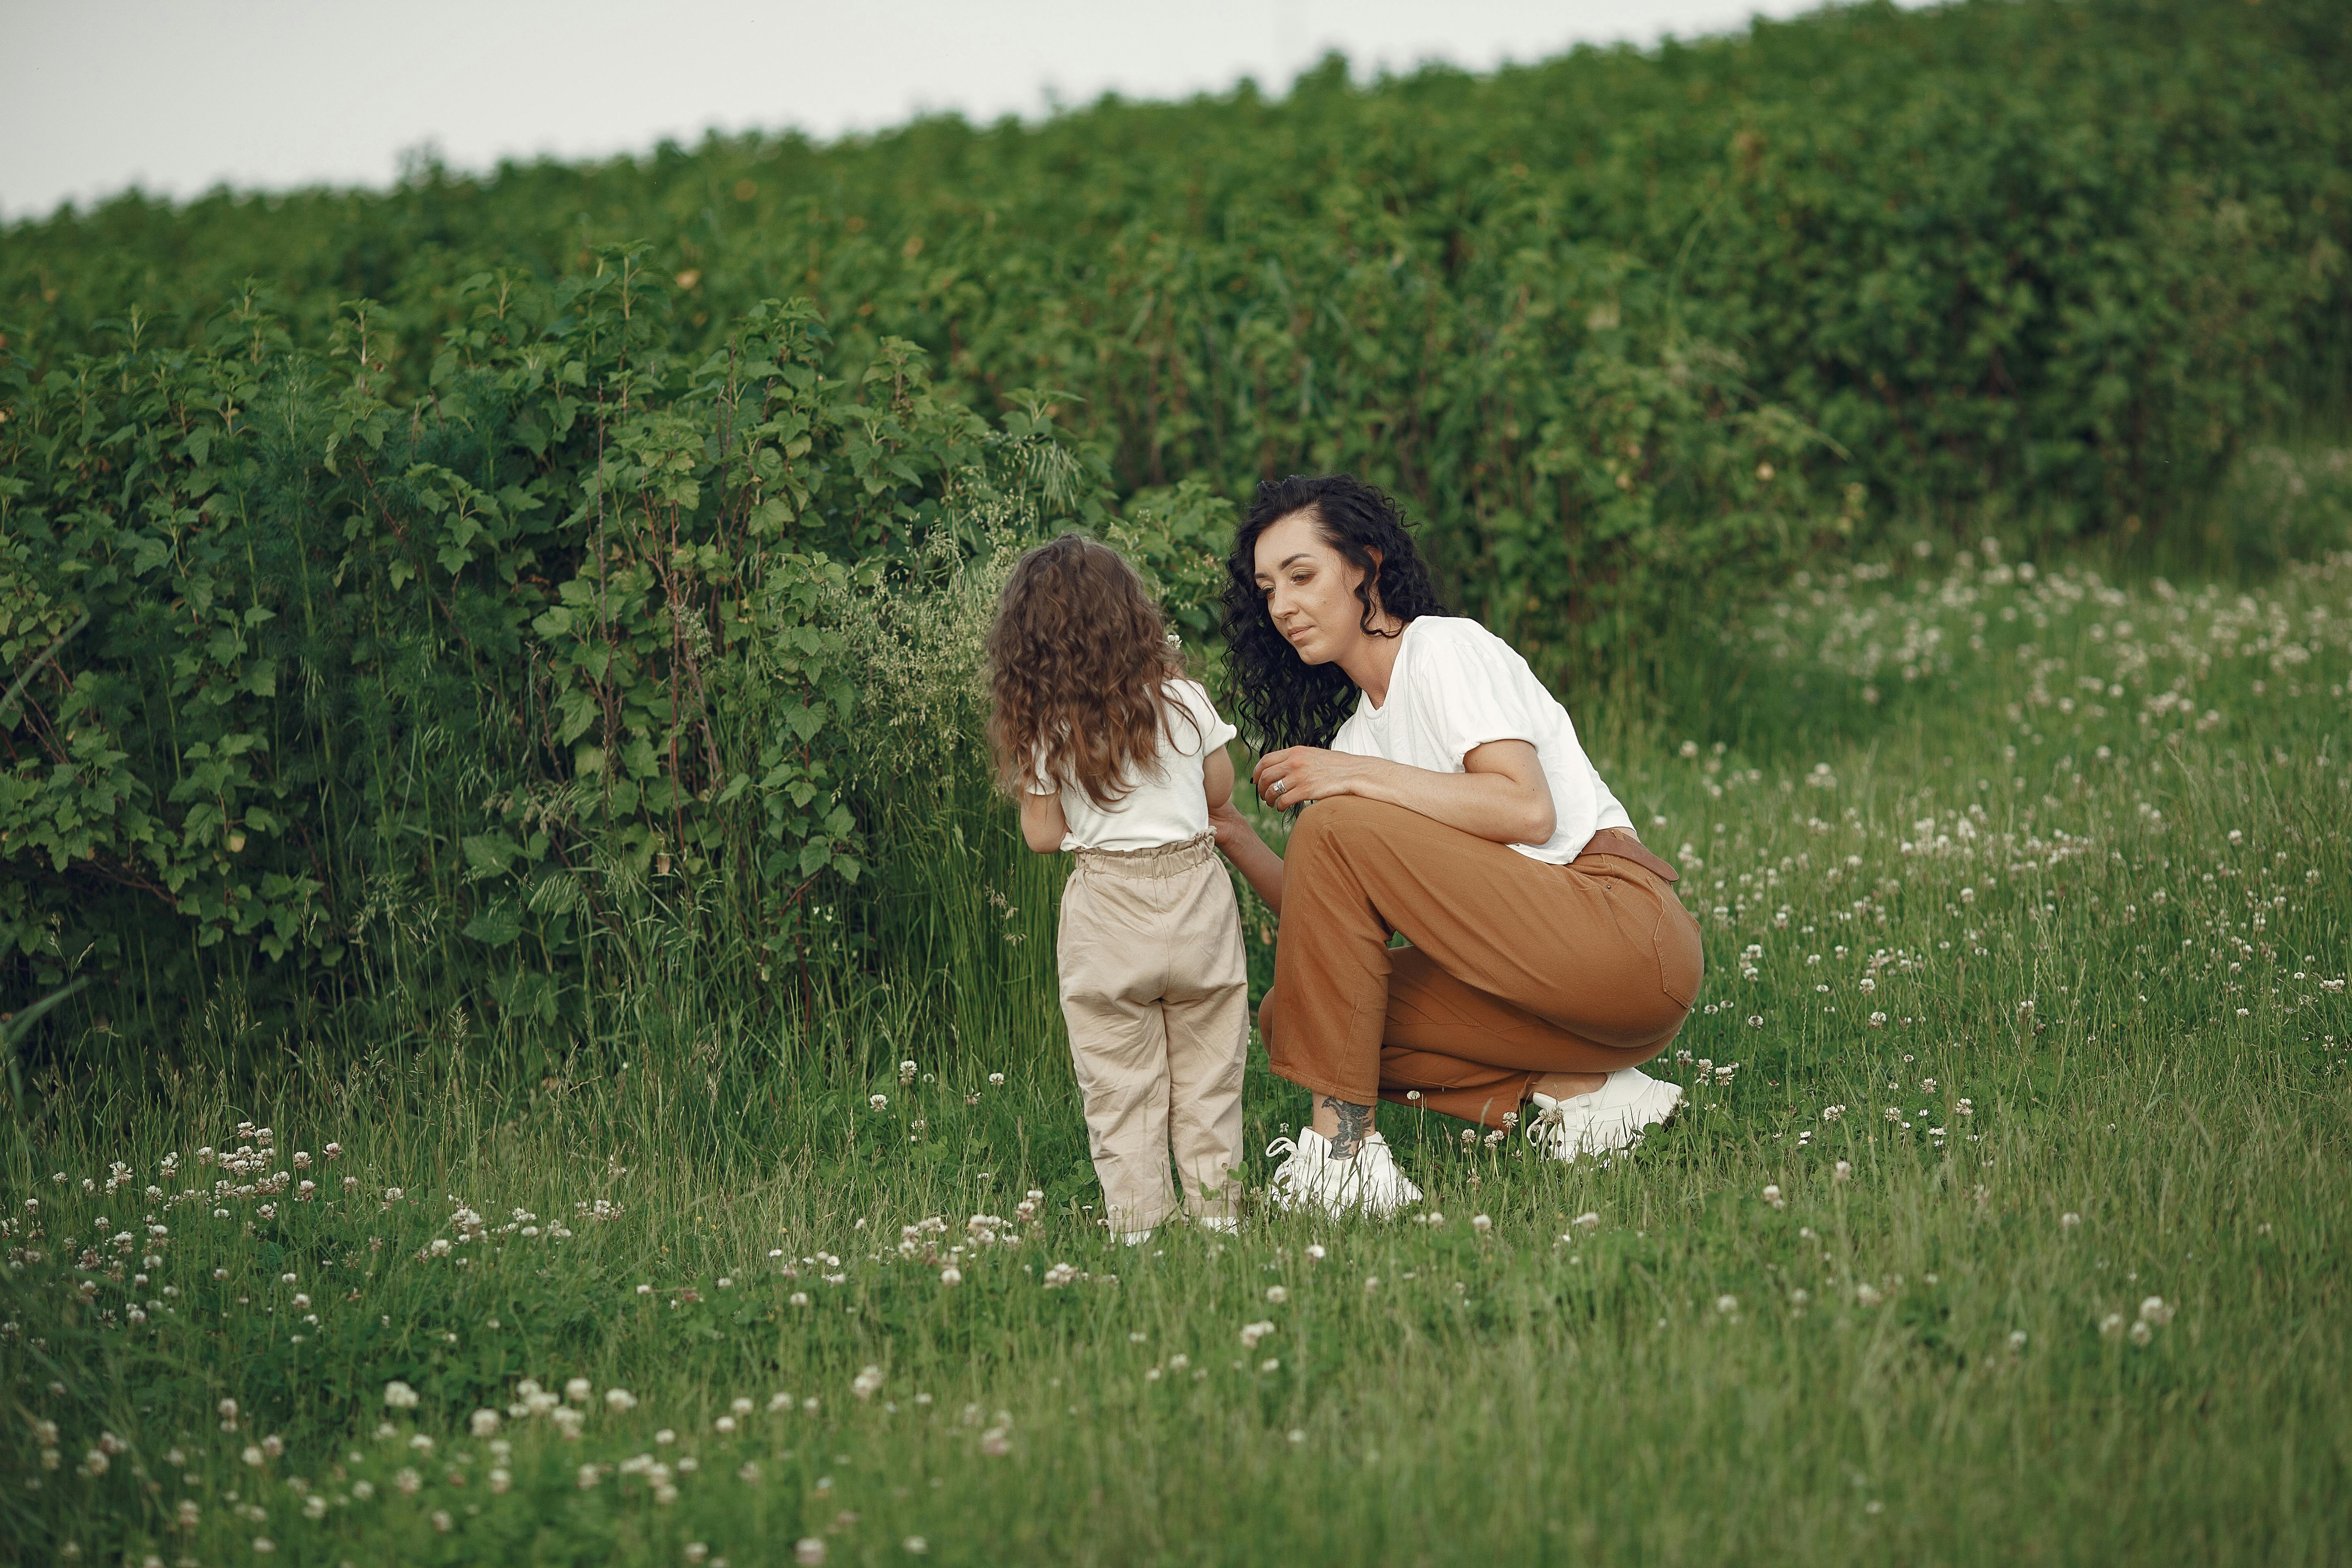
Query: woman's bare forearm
(1501,795)
(1492,805)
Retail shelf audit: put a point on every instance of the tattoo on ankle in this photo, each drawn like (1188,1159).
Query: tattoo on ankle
(1355,1121)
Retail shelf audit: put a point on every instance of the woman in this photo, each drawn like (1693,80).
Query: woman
(1450,802)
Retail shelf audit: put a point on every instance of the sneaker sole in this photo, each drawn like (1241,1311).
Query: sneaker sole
(1290,1203)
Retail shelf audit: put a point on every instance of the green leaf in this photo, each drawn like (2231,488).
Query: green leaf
(496,926)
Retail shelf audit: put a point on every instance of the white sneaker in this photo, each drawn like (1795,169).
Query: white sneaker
(1311,1179)
(1609,1118)
(1134,1238)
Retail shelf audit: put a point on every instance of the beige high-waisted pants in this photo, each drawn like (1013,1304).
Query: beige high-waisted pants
(1516,968)
(1156,993)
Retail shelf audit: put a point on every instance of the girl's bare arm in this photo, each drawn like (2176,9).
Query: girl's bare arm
(1043,826)
(1258,864)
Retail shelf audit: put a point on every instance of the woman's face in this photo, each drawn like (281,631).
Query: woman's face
(1310,589)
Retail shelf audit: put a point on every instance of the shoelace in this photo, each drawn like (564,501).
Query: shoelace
(1283,1183)
(1547,1129)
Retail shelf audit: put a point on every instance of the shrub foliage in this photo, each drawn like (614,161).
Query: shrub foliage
(464,569)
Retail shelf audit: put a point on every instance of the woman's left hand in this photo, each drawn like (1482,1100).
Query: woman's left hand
(1296,774)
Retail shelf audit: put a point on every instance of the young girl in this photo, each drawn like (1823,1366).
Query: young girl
(1114,754)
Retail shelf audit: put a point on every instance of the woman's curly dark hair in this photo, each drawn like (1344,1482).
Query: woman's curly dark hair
(1079,663)
(1279,699)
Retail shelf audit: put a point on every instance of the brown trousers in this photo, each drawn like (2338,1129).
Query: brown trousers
(1156,993)
(1516,968)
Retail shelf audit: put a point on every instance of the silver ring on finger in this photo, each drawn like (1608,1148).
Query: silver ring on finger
(1281,784)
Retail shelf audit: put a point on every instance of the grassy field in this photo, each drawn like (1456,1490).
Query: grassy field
(2006,1222)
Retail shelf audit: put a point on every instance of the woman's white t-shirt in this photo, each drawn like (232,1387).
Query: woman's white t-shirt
(1457,686)
(1168,802)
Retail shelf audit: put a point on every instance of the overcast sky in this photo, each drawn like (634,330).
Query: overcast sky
(176,95)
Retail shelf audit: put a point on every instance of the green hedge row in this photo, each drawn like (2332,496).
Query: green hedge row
(549,682)
(2031,265)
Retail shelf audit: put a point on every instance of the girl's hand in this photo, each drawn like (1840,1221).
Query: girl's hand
(1291,777)
(1226,821)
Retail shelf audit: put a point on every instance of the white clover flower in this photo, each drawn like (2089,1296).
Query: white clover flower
(2069,1221)
(1253,1332)
(1277,1295)
(1867,1294)
(2154,1310)
(484,1423)
(1843,1171)
(1314,1253)
(809,1551)
(1482,1223)
(399,1395)
(620,1399)
(1726,1305)
(951,1275)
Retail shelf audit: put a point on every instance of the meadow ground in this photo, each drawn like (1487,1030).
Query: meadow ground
(2006,1222)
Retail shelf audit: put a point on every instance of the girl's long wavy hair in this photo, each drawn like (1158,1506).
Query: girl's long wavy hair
(1278,699)
(1079,664)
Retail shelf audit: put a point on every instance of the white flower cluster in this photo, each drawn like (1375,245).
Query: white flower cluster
(2154,1314)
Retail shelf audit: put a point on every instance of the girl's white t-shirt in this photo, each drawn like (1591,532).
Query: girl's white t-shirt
(1457,686)
(1168,802)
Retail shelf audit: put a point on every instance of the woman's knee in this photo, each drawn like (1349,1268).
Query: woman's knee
(1343,818)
